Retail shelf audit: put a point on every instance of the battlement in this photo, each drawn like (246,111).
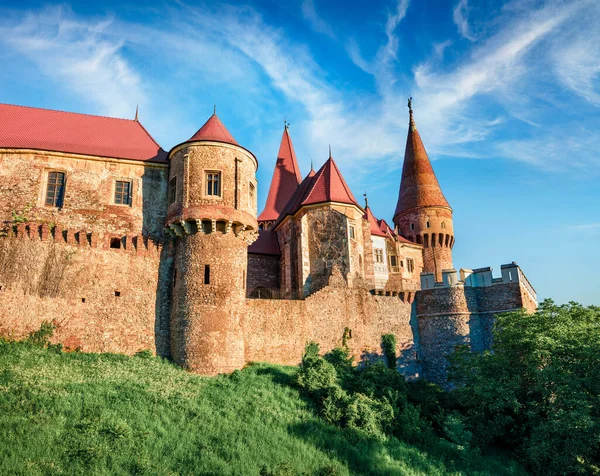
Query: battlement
(478,278)
(44,232)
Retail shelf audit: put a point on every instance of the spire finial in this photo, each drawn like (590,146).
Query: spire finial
(410,114)
(214,109)
(410,105)
(286,124)
(330,151)
(366,199)
(136,113)
(311,164)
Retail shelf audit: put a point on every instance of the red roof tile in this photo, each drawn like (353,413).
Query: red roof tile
(213,130)
(286,178)
(419,186)
(24,127)
(266,244)
(329,186)
(326,185)
(375,225)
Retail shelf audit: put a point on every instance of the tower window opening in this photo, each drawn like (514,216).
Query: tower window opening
(251,196)
(352,232)
(206,274)
(115,243)
(55,190)
(428,224)
(213,184)
(410,265)
(443,224)
(172,190)
(122,192)
(412,226)
(117,293)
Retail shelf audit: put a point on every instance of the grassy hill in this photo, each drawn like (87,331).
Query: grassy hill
(76,413)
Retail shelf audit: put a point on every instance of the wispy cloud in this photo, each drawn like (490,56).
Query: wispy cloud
(460,16)
(586,227)
(317,23)
(78,55)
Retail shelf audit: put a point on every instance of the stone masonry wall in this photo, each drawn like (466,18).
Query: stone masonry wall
(263,272)
(100,299)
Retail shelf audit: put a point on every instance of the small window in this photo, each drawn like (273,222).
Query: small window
(213,184)
(117,293)
(206,274)
(352,232)
(378,255)
(251,196)
(412,226)
(172,190)
(55,190)
(443,224)
(122,192)
(410,265)
(115,243)
(427,224)
(393,261)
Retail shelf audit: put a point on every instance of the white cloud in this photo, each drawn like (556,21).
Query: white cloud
(317,23)
(460,16)
(80,56)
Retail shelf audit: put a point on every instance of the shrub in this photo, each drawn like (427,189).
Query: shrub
(41,337)
(388,343)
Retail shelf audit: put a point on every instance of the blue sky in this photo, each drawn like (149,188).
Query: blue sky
(506,97)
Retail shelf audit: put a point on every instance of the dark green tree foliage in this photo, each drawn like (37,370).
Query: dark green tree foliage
(388,342)
(538,393)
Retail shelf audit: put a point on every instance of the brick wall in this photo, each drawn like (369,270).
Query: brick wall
(263,271)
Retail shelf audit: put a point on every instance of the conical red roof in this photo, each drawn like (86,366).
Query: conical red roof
(326,185)
(213,130)
(329,186)
(419,186)
(286,178)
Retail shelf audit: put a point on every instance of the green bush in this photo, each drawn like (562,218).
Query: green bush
(388,343)
(538,393)
(41,337)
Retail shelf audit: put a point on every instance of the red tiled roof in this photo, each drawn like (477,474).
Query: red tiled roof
(326,185)
(286,178)
(419,186)
(375,225)
(329,186)
(24,127)
(213,130)
(266,244)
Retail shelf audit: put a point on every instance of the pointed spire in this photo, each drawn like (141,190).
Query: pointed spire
(286,178)
(329,186)
(136,114)
(419,186)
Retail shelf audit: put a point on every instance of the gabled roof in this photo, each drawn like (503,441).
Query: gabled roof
(24,127)
(419,186)
(326,185)
(286,178)
(213,130)
(266,244)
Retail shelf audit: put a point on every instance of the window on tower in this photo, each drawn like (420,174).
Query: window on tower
(412,226)
(428,224)
(213,184)
(172,190)
(443,224)
(55,189)
(352,232)
(251,196)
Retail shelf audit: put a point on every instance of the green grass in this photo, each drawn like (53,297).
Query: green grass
(92,414)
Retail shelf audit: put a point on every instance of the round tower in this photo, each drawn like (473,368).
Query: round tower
(423,214)
(212,217)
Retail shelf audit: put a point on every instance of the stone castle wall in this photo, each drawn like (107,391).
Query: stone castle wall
(100,299)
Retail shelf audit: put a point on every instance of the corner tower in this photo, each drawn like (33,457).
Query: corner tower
(423,214)
(212,217)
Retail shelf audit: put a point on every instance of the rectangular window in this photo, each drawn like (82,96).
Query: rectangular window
(122,192)
(410,265)
(352,232)
(378,255)
(251,195)
(172,190)
(393,261)
(55,190)
(206,274)
(213,184)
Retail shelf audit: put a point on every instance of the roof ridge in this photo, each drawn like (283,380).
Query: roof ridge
(69,112)
(149,135)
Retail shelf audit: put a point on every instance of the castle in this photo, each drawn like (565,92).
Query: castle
(126,247)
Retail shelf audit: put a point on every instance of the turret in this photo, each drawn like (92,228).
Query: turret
(212,217)
(423,214)
(285,181)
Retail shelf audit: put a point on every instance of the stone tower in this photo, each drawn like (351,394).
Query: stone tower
(212,217)
(423,214)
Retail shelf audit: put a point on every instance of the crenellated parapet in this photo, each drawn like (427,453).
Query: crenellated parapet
(55,233)
(207,226)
